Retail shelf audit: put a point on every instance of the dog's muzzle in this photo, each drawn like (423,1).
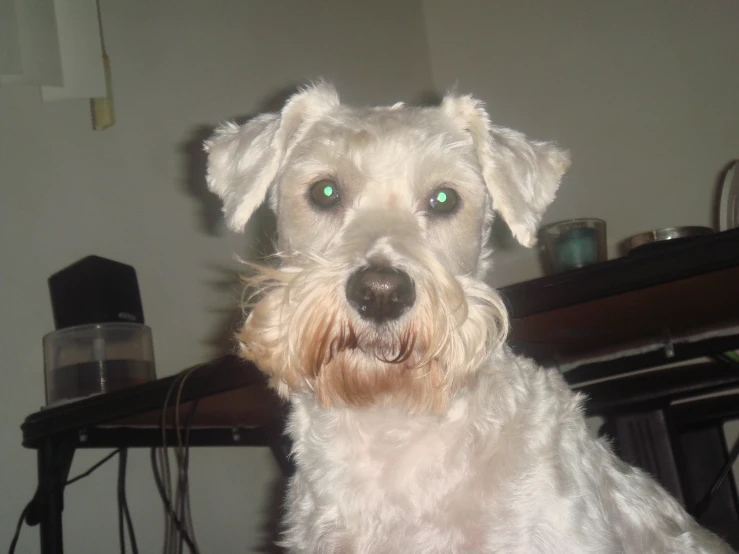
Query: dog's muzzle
(380,293)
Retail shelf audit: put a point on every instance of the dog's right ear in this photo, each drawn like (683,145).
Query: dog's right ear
(243,161)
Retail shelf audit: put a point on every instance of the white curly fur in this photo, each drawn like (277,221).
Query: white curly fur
(424,434)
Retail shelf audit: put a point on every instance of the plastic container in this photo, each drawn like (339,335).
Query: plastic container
(93,359)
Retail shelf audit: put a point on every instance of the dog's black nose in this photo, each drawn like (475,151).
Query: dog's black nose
(380,293)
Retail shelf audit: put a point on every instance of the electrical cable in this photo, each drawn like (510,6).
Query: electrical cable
(185,505)
(165,471)
(705,502)
(93,468)
(182,501)
(27,509)
(183,457)
(178,511)
(124,515)
(165,500)
(18,527)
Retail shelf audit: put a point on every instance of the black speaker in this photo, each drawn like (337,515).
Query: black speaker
(95,290)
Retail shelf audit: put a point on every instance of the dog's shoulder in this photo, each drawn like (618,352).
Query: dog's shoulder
(519,383)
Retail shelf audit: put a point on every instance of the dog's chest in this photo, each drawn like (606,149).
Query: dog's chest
(384,456)
(458,482)
(416,479)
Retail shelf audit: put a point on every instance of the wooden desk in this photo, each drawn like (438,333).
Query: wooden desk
(602,322)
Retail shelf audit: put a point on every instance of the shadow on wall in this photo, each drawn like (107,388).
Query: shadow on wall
(259,233)
(195,164)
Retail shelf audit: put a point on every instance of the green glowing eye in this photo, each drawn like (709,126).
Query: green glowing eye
(324,194)
(443,201)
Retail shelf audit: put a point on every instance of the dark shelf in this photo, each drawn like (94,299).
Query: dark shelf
(657,389)
(636,271)
(142,404)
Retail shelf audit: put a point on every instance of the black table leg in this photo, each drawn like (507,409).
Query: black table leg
(50,495)
(646,440)
(684,461)
(703,454)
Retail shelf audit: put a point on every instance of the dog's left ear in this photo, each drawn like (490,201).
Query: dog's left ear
(522,175)
(243,161)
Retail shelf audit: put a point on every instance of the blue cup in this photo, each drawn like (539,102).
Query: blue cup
(575,243)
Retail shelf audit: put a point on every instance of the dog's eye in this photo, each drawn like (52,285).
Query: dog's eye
(324,194)
(443,201)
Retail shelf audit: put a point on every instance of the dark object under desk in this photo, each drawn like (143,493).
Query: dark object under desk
(235,408)
(606,325)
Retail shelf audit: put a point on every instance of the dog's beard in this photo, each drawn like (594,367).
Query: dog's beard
(303,334)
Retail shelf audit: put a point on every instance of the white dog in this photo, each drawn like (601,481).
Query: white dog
(415,429)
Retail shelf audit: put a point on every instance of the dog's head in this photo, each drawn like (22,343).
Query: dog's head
(383,216)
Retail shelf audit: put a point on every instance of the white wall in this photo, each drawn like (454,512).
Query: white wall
(125,193)
(644,93)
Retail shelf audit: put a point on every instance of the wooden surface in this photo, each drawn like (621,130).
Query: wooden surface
(631,320)
(649,268)
(230,392)
(620,304)
(250,406)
